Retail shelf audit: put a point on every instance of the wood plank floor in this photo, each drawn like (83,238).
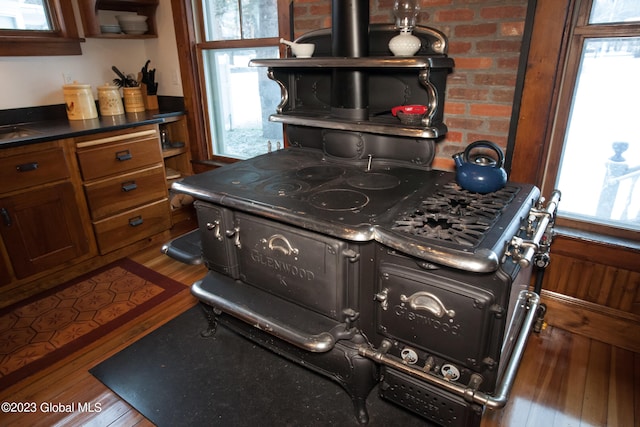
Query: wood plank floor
(564,379)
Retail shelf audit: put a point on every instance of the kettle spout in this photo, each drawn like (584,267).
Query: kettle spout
(457,159)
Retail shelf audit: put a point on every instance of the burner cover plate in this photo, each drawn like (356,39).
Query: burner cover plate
(285,188)
(339,200)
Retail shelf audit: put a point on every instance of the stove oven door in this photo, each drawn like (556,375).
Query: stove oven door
(217,250)
(439,315)
(303,267)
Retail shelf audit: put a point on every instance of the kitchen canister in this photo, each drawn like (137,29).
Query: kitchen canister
(110,100)
(79,101)
(133,102)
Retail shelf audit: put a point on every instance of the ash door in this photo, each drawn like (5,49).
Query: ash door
(437,314)
(217,250)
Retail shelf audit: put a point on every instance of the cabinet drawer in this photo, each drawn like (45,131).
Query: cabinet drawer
(110,196)
(30,169)
(128,227)
(117,154)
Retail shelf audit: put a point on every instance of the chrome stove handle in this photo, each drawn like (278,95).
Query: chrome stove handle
(279,243)
(215,227)
(523,250)
(428,302)
(235,233)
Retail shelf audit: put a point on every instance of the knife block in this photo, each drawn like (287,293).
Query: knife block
(150,101)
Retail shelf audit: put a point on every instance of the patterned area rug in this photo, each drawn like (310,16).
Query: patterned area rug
(45,328)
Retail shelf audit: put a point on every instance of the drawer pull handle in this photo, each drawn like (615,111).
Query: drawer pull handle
(124,155)
(6,218)
(134,222)
(129,186)
(26,167)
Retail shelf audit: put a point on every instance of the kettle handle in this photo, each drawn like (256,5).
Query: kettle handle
(487,144)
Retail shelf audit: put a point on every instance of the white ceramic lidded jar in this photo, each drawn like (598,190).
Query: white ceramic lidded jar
(110,100)
(79,101)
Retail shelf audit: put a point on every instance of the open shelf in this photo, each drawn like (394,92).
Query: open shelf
(422,62)
(379,125)
(89,10)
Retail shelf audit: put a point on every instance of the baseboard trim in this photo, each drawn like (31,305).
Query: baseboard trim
(595,321)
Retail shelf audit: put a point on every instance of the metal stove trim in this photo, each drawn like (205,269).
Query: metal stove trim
(228,297)
(482,260)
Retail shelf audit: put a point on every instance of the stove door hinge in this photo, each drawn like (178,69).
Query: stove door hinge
(346,330)
(350,317)
(497,310)
(383,298)
(489,363)
(351,255)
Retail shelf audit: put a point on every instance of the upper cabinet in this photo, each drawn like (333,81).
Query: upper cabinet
(97,14)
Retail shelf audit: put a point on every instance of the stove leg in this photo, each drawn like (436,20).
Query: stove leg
(361,378)
(212,319)
(360,409)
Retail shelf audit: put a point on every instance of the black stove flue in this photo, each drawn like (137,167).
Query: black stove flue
(350,39)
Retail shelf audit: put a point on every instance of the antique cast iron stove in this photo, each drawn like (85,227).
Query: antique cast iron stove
(348,253)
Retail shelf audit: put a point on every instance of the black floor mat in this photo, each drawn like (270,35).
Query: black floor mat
(173,376)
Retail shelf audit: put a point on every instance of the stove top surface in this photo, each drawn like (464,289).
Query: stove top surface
(304,184)
(418,211)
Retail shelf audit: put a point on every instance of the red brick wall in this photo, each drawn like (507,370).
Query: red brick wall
(484,40)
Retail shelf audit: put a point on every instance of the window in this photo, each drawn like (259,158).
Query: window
(38,28)
(24,15)
(595,135)
(239,98)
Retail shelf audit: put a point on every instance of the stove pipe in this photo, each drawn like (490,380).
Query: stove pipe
(350,38)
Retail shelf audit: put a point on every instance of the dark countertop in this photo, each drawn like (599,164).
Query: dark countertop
(49,130)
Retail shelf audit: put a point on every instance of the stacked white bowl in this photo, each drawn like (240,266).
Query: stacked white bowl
(133,24)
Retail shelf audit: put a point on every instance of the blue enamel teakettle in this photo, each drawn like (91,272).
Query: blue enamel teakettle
(481,174)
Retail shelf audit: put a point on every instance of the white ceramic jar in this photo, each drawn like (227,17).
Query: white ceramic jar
(79,101)
(110,100)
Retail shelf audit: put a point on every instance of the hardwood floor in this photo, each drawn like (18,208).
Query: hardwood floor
(564,379)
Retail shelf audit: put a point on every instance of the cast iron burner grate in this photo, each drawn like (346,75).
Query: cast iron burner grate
(456,215)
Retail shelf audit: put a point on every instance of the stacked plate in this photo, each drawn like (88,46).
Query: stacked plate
(110,29)
(133,24)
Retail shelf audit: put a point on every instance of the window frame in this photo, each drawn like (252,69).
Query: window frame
(580,31)
(284,31)
(63,39)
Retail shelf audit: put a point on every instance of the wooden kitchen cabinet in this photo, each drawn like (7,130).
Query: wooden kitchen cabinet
(90,11)
(5,277)
(177,163)
(40,218)
(125,185)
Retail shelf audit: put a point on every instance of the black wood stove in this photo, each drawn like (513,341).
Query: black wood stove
(346,252)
